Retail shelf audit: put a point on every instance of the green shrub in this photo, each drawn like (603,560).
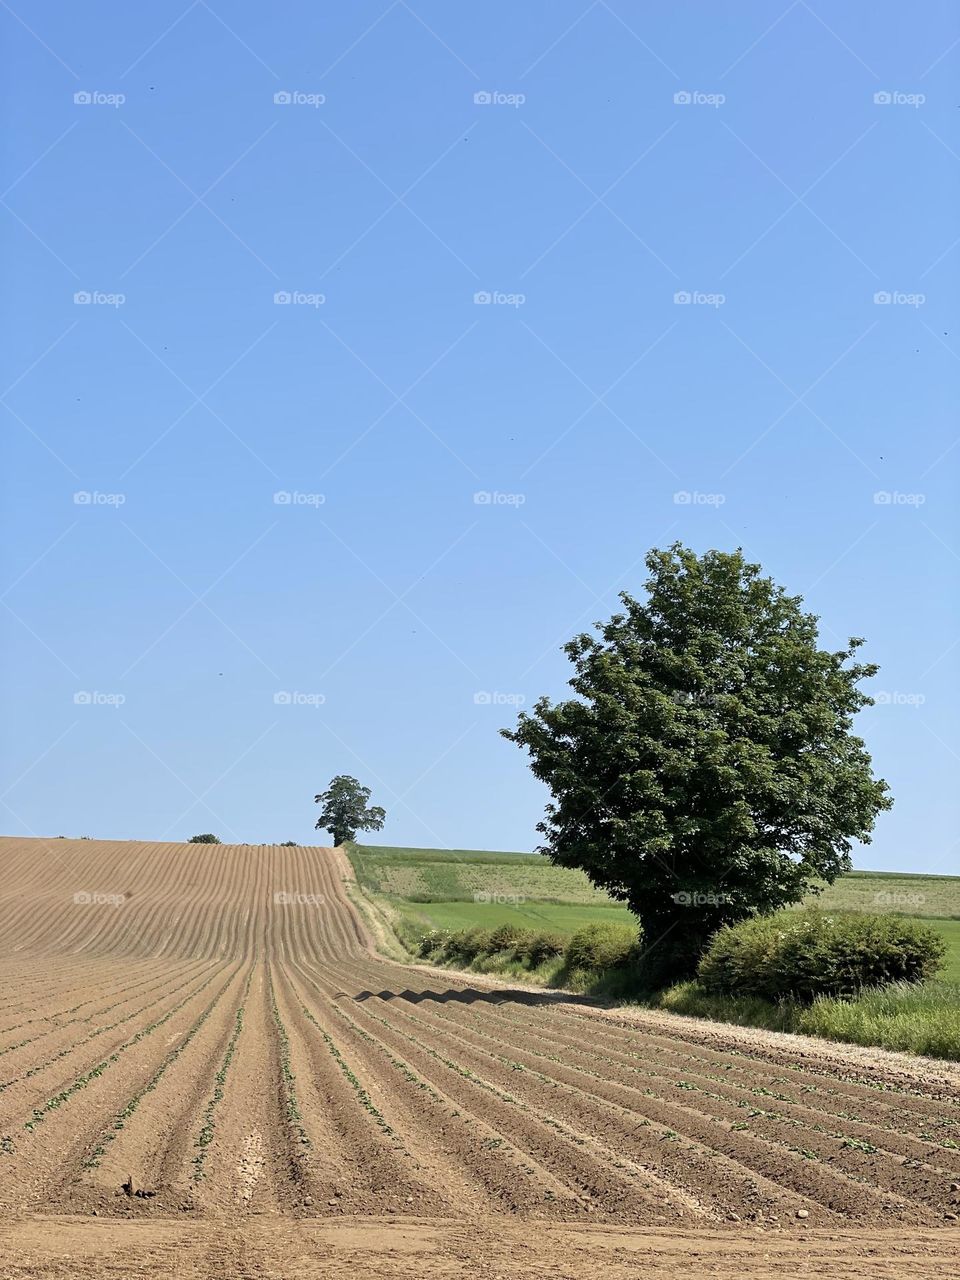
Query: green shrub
(542,946)
(462,947)
(804,954)
(591,952)
(430,943)
(508,948)
(508,937)
(602,946)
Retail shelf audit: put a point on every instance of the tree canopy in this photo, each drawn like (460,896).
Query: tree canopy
(345,810)
(207,838)
(706,770)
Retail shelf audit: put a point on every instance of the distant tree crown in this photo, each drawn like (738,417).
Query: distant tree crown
(345,810)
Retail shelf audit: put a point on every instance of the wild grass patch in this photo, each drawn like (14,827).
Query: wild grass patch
(906,1017)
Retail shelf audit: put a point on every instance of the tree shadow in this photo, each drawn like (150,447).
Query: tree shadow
(474,995)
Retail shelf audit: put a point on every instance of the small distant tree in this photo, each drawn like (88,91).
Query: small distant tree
(345,810)
(207,838)
(289,844)
(706,770)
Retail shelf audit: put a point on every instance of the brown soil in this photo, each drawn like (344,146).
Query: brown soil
(206,1069)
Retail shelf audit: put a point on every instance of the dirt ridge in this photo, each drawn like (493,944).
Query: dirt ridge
(208,1035)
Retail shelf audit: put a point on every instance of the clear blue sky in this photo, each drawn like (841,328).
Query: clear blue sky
(584,197)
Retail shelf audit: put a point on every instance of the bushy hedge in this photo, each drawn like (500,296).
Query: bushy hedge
(800,955)
(598,947)
(530,947)
(542,946)
(462,947)
(594,949)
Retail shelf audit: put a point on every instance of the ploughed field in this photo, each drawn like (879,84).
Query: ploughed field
(205,1069)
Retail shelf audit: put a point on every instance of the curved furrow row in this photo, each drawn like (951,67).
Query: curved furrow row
(30,1056)
(780,1153)
(724,1169)
(479,1126)
(56,1133)
(106,1152)
(240,1049)
(144,974)
(19,1087)
(676,1069)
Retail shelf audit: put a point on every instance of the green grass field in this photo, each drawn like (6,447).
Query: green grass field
(459,888)
(455,889)
(557,917)
(460,875)
(951,931)
(933,897)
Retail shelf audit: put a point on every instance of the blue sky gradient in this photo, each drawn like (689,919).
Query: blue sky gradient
(184,652)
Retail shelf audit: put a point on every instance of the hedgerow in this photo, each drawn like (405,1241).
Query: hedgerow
(811,953)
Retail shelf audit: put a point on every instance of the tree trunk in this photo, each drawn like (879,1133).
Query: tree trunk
(672,943)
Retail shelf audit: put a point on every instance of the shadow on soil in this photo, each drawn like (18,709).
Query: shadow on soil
(471,995)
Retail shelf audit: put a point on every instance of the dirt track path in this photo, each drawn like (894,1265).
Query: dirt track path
(219,1035)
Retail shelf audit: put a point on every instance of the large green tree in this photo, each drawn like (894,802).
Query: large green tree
(706,770)
(345,810)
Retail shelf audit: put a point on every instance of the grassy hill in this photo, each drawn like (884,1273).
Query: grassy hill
(457,888)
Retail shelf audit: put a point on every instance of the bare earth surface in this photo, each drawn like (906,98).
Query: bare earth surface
(206,1071)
